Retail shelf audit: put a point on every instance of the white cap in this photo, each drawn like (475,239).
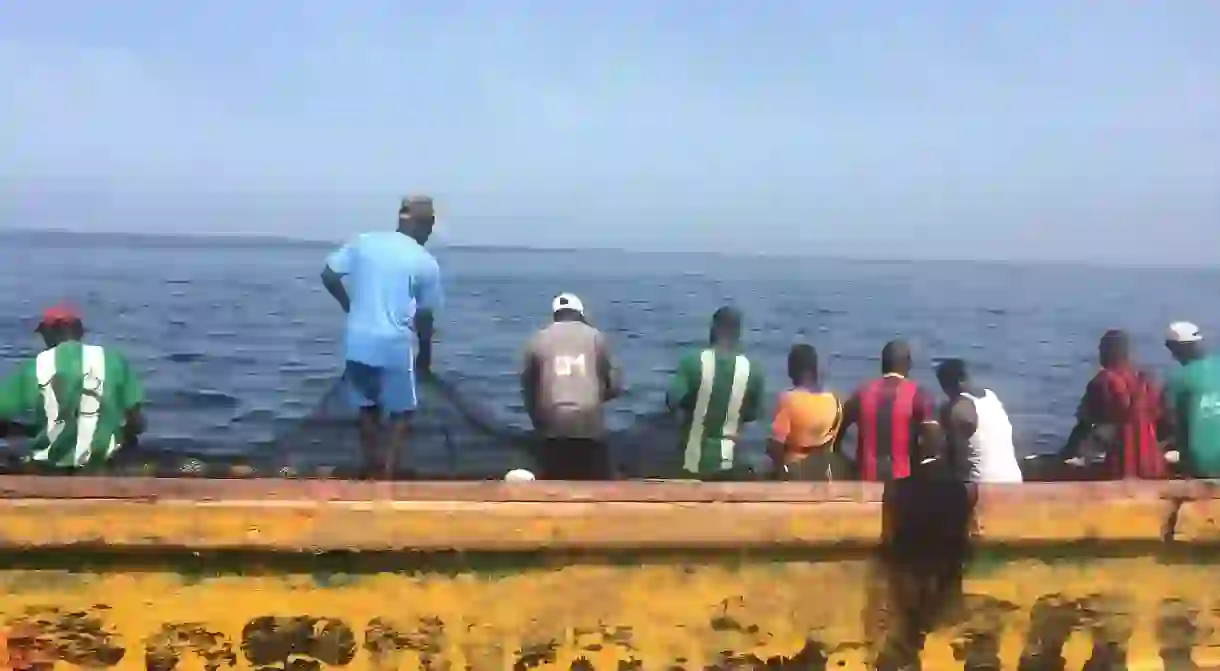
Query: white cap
(567,302)
(518,475)
(1182,332)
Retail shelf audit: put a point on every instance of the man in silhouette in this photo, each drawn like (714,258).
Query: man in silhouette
(389,286)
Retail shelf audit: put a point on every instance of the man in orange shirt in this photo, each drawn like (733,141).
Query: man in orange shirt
(806,422)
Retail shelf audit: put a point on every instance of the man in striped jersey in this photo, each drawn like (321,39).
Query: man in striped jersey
(718,390)
(896,426)
(84,399)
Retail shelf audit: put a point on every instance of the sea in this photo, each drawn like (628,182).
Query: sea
(236,340)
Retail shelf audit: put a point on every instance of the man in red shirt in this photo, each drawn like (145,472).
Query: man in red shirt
(895,420)
(1119,411)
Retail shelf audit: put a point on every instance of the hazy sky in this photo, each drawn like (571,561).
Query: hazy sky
(976,129)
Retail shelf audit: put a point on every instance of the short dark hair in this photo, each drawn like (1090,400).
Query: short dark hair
(952,370)
(896,357)
(727,321)
(802,361)
(1115,346)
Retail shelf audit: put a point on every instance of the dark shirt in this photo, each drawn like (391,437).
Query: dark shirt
(888,413)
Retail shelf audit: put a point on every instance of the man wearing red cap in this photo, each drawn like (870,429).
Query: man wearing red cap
(84,400)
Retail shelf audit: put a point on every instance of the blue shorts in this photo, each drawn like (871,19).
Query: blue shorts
(390,390)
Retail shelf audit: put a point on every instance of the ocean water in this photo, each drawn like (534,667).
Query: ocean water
(237,340)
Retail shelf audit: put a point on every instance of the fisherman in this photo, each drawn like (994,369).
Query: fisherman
(978,433)
(84,400)
(567,377)
(395,290)
(717,389)
(1119,414)
(805,424)
(896,428)
(1192,401)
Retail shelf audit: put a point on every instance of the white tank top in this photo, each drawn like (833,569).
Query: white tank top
(991,455)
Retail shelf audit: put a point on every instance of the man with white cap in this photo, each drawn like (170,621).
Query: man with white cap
(568,375)
(1192,401)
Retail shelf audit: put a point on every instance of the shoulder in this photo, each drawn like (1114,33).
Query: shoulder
(426,260)
(24,370)
(961,409)
(690,361)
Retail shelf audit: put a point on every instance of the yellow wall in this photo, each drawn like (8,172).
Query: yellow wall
(783,578)
(656,614)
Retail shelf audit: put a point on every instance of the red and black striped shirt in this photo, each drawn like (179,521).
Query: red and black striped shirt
(1126,399)
(888,413)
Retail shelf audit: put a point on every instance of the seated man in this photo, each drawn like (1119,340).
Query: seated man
(1119,411)
(83,400)
(567,377)
(717,390)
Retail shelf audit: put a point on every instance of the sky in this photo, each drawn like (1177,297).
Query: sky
(1036,129)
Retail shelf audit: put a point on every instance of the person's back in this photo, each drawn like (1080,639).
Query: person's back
(388,274)
(1126,402)
(1119,414)
(893,417)
(991,455)
(568,375)
(1195,395)
(889,412)
(570,388)
(806,423)
(84,399)
(718,390)
(720,385)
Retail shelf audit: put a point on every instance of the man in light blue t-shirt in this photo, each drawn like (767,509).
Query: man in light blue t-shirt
(395,287)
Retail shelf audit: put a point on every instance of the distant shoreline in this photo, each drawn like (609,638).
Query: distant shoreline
(64,237)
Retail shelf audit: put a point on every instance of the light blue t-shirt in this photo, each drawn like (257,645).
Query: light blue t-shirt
(388,277)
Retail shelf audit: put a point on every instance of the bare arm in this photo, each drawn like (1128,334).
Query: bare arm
(529,386)
(962,421)
(851,415)
(135,425)
(610,376)
(425,324)
(334,286)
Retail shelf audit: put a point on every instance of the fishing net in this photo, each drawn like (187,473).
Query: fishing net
(454,436)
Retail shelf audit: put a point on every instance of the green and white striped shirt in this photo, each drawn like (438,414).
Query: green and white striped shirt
(719,391)
(79,396)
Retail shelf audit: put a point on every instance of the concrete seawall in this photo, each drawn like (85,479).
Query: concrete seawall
(193,574)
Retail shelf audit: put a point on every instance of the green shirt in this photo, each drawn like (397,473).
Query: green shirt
(78,396)
(1192,394)
(718,392)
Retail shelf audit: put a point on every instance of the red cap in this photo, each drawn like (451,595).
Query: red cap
(61,313)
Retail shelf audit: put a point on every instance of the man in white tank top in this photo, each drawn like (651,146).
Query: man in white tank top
(977,428)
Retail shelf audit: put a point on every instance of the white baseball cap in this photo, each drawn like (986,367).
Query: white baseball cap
(567,302)
(1182,332)
(519,475)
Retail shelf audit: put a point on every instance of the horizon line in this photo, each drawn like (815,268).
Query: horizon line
(268,239)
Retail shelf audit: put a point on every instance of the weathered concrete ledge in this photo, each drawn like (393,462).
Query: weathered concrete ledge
(295,516)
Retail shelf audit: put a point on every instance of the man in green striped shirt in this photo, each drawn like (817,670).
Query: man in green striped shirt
(84,399)
(717,389)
